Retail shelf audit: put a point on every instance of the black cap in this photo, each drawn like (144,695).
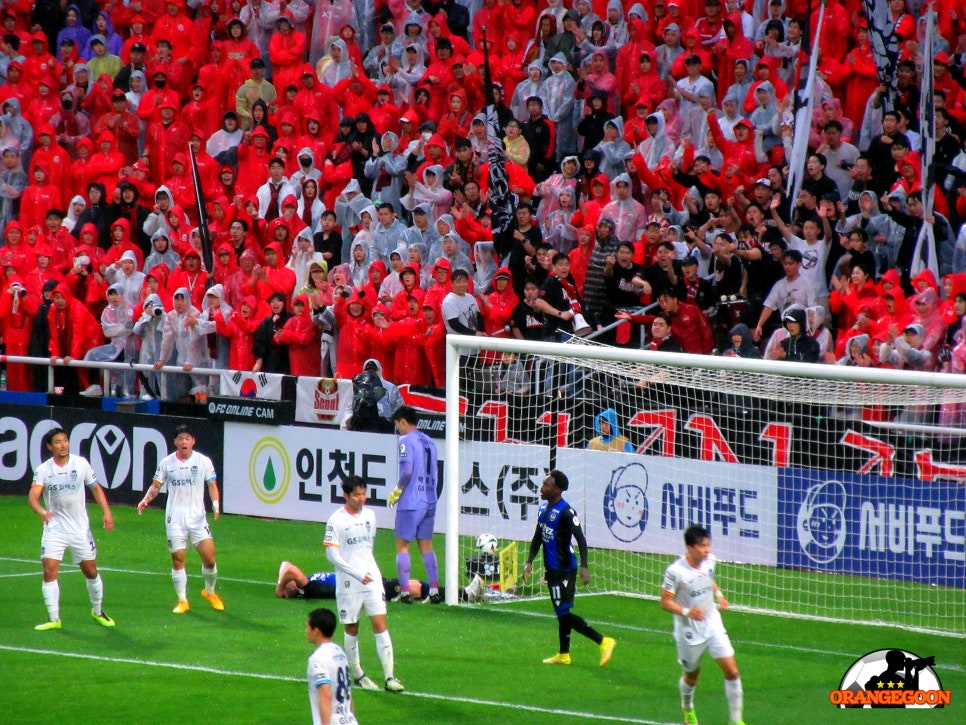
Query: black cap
(257,63)
(692,59)
(138,47)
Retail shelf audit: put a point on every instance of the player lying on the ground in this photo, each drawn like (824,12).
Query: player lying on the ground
(294,584)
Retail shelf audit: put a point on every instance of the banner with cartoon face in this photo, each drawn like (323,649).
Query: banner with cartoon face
(644,503)
(872,526)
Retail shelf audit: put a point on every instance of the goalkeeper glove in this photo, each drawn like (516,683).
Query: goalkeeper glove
(394,497)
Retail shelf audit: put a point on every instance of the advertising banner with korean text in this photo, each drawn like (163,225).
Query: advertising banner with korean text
(292,472)
(872,526)
(644,503)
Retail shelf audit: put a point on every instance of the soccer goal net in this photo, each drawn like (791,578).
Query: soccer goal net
(830,492)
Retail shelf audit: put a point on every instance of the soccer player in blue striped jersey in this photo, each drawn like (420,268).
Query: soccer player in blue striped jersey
(557,525)
(414,499)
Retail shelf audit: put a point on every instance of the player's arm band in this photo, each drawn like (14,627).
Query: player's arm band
(216,505)
(719,593)
(685,611)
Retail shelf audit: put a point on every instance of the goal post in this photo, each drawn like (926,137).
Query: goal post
(831,492)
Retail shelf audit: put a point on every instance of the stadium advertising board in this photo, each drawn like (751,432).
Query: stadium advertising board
(250,410)
(290,472)
(644,503)
(716,431)
(295,473)
(871,526)
(123,449)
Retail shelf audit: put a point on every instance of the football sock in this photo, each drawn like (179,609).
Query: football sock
(211,577)
(687,694)
(95,588)
(585,629)
(384,648)
(735,696)
(432,571)
(51,592)
(564,628)
(403,568)
(180,579)
(352,653)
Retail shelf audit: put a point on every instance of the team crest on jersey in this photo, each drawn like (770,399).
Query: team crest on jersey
(73,475)
(194,470)
(553,516)
(368,527)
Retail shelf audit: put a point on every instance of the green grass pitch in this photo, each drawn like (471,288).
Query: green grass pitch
(468,665)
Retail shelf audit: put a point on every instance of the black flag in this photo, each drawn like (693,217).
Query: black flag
(885,46)
(500,198)
(206,253)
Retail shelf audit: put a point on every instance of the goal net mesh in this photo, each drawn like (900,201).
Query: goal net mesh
(825,498)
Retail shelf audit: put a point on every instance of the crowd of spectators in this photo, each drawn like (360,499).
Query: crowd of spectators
(342,160)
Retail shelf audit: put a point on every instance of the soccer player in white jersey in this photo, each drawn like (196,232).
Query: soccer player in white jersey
(414,497)
(330,691)
(185,472)
(61,480)
(349,535)
(689,592)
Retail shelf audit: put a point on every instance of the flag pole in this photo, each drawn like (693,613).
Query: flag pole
(206,251)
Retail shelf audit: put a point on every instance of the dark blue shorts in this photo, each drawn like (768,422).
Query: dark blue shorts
(563,587)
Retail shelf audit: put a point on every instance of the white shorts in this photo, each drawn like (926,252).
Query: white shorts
(195,530)
(351,603)
(55,542)
(689,655)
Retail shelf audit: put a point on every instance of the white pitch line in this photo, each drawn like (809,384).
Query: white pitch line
(285,678)
(509,610)
(28,573)
(73,569)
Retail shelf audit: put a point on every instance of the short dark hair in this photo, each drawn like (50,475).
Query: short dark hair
(663,316)
(459,273)
(280,296)
(52,433)
(560,479)
(351,483)
(407,413)
(323,620)
(837,125)
(695,535)
(183,428)
(386,205)
(792,254)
